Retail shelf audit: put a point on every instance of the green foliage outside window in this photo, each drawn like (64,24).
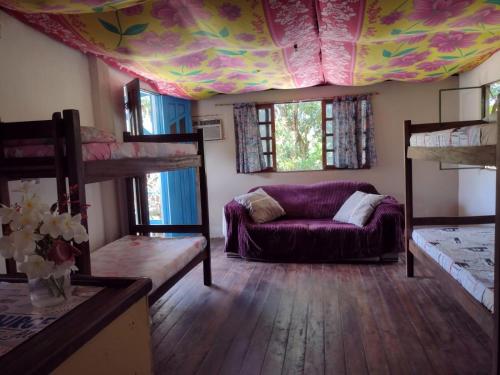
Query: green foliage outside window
(298,136)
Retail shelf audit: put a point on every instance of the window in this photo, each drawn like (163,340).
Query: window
(492,92)
(315,135)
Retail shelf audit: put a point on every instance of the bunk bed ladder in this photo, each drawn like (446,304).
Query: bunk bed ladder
(408,202)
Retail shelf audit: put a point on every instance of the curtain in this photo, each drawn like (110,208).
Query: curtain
(353,140)
(249,155)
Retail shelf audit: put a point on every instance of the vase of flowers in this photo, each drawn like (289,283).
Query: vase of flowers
(39,238)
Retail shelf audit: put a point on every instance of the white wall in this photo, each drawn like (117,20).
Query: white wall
(435,191)
(39,76)
(476,189)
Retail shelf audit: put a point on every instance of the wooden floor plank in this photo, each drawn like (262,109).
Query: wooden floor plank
(264,318)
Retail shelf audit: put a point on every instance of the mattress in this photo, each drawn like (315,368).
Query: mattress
(466,253)
(476,135)
(109,151)
(157,258)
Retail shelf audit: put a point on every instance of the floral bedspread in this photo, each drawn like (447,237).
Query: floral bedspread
(106,151)
(195,48)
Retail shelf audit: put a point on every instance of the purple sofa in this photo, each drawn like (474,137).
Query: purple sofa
(307,233)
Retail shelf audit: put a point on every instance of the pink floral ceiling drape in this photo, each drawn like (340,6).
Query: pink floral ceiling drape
(195,48)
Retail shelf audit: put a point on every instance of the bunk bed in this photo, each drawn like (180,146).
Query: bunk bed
(63,156)
(459,251)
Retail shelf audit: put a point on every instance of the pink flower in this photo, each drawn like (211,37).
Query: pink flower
(223,87)
(239,76)
(124,50)
(492,39)
(375,67)
(488,15)
(230,11)
(192,60)
(391,18)
(182,13)
(133,10)
(198,89)
(411,39)
(252,88)
(204,43)
(61,252)
(261,65)
(435,12)
(449,42)
(260,53)
(245,37)
(151,43)
(226,62)
(409,59)
(430,66)
(400,75)
(207,76)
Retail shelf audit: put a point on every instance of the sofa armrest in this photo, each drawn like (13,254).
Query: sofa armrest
(237,219)
(389,218)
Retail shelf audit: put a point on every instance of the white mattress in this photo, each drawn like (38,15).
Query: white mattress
(139,256)
(476,135)
(466,253)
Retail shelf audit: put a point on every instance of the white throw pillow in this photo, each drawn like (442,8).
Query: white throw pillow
(261,206)
(358,208)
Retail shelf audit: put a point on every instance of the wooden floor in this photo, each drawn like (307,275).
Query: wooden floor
(263,318)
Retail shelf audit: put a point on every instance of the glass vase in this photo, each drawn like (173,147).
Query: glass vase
(49,291)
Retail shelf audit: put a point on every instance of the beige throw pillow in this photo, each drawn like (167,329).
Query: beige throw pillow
(261,206)
(358,208)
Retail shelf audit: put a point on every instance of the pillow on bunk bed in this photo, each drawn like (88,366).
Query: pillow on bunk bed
(358,208)
(88,135)
(261,206)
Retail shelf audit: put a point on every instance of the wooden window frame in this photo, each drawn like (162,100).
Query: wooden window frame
(269,137)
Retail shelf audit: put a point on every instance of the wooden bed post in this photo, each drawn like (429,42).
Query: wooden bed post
(207,270)
(496,290)
(76,180)
(408,202)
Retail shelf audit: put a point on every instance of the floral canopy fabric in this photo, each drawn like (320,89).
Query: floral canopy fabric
(198,48)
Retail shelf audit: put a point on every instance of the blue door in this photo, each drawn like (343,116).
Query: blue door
(166,115)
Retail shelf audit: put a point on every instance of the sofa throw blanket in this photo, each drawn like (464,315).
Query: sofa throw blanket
(307,232)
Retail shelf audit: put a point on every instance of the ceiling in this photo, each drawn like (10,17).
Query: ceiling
(195,49)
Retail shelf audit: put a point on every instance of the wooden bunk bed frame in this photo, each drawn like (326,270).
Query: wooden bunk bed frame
(63,131)
(472,155)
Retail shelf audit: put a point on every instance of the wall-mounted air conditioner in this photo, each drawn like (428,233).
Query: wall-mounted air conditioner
(212,128)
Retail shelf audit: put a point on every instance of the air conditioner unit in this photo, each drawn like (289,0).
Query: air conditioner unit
(212,128)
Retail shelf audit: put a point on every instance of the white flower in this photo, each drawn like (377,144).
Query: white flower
(6,247)
(26,187)
(7,214)
(63,268)
(24,242)
(52,225)
(36,267)
(24,220)
(33,205)
(72,228)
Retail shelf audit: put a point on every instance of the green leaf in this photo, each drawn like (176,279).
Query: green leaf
(176,73)
(404,52)
(208,81)
(415,32)
(470,53)
(252,83)
(386,53)
(434,74)
(453,68)
(224,32)
(193,73)
(496,2)
(231,53)
(449,57)
(136,29)
(109,26)
(396,31)
(98,9)
(205,33)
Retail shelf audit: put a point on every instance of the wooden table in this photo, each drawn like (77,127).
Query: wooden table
(106,332)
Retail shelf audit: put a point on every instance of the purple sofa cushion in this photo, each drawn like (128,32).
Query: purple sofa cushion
(318,201)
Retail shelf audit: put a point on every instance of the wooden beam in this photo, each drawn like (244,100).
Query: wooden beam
(455,220)
(496,332)
(408,200)
(437,126)
(470,155)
